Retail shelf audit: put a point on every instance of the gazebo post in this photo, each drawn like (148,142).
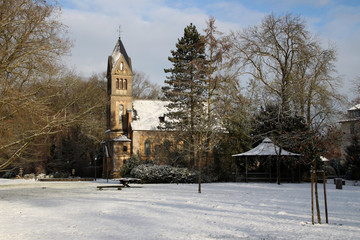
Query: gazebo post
(246,169)
(278,168)
(270,168)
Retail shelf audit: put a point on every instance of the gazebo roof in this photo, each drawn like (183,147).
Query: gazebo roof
(266,148)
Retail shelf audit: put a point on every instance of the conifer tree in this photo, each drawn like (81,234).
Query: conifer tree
(185,89)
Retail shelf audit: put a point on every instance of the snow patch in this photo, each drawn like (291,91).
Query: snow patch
(77,210)
(147,114)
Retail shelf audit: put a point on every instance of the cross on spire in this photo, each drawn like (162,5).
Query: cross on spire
(119,31)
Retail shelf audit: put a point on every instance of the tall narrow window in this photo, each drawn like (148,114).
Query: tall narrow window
(167,146)
(121,84)
(352,128)
(147,147)
(125,84)
(121,66)
(121,112)
(117,83)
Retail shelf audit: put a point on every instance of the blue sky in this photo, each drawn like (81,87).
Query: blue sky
(150,29)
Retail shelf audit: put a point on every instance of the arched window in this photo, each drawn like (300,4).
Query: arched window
(121,84)
(147,147)
(125,84)
(167,145)
(117,83)
(121,66)
(121,112)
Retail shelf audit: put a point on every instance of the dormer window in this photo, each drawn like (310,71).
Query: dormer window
(135,116)
(356,113)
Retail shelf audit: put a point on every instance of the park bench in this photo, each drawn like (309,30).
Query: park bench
(123,181)
(119,187)
(126,181)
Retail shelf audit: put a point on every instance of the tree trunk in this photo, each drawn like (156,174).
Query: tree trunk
(317,199)
(278,169)
(312,195)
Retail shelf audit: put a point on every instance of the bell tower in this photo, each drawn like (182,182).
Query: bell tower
(119,109)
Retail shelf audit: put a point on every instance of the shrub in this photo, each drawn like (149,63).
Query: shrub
(130,163)
(12,173)
(163,174)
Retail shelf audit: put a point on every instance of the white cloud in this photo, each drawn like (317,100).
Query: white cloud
(148,38)
(342,27)
(294,3)
(151,28)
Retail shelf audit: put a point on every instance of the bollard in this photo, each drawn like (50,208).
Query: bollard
(338,183)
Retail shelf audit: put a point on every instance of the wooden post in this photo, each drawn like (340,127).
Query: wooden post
(278,168)
(312,195)
(325,201)
(199,168)
(246,169)
(270,167)
(317,197)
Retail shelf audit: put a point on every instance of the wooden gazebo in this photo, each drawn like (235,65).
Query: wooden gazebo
(265,149)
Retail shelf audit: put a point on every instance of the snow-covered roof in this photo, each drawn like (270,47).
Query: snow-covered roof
(122,138)
(356,107)
(146,114)
(324,159)
(266,148)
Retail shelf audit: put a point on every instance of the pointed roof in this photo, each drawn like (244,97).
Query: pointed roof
(356,107)
(122,138)
(266,148)
(119,50)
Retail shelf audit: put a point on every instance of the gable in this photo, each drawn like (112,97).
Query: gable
(120,67)
(119,60)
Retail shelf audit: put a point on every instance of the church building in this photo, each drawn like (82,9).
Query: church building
(350,126)
(132,125)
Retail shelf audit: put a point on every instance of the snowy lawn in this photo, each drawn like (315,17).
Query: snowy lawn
(77,210)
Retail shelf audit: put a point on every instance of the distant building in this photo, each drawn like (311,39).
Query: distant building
(350,126)
(132,125)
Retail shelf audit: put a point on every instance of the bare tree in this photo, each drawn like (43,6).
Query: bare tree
(32,41)
(269,52)
(315,86)
(292,66)
(144,89)
(356,90)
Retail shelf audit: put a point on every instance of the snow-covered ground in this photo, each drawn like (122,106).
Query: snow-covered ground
(77,210)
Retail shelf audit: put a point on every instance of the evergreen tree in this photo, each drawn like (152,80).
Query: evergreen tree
(280,126)
(185,90)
